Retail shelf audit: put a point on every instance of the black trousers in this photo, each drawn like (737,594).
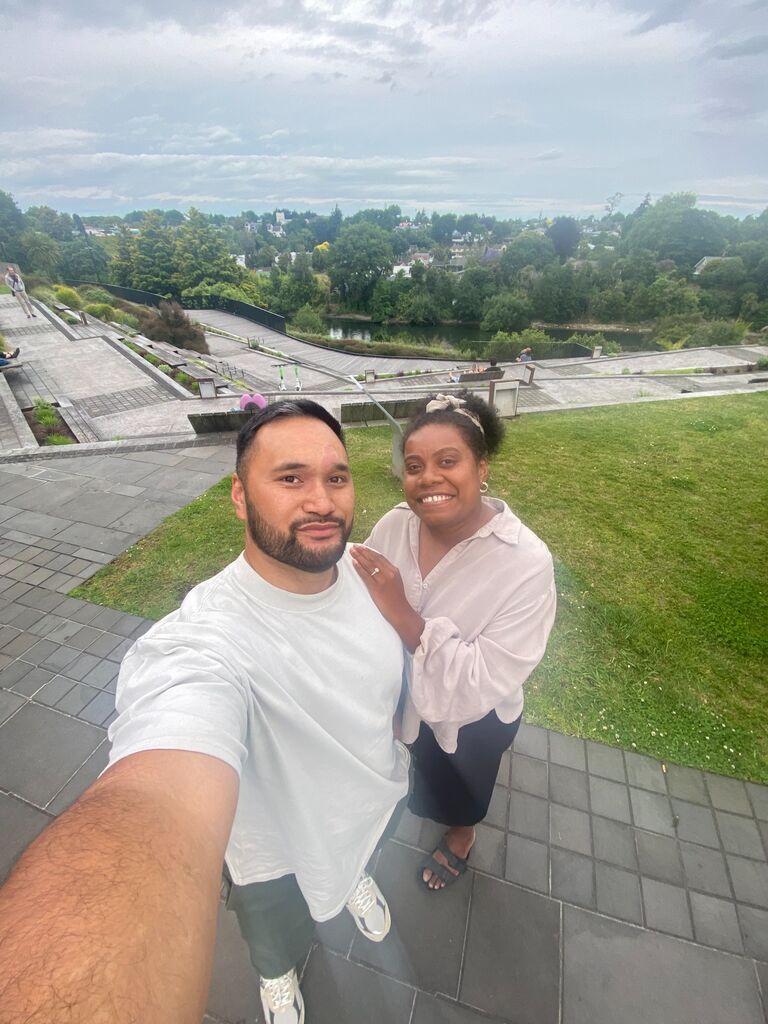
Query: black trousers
(456,789)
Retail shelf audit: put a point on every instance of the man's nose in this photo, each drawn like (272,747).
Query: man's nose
(319,499)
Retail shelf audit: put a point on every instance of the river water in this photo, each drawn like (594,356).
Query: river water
(456,335)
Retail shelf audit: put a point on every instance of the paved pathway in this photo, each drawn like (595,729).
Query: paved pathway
(604,890)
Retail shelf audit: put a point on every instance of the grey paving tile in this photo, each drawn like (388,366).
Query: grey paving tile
(435,1010)
(38,524)
(666,908)
(567,750)
(98,537)
(644,772)
(54,691)
(763,827)
(81,780)
(573,878)
(529,775)
(509,966)
(705,869)
(421,924)
(618,893)
(489,851)
(728,794)
(528,863)
(610,799)
(91,555)
(41,599)
(121,649)
(40,749)
(58,660)
(78,697)
(82,665)
(234,992)
(84,637)
(528,815)
(749,878)
(715,923)
(570,829)
(336,990)
(497,809)
(759,797)
(740,835)
(531,740)
(25,618)
(762,980)
(99,709)
(409,828)
(104,645)
(615,973)
(614,842)
(695,824)
(568,786)
(61,633)
(337,934)
(9,704)
(18,646)
(102,674)
(754,928)
(659,857)
(651,811)
(86,613)
(502,776)
(19,825)
(23,678)
(607,762)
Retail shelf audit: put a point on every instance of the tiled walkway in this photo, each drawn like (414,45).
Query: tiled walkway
(605,889)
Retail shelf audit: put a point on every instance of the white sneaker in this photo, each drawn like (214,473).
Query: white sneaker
(369,910)
(281,999)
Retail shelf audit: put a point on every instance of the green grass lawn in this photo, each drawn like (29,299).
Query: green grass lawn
(656,516)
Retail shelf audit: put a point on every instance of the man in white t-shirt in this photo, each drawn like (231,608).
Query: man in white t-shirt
(254,723)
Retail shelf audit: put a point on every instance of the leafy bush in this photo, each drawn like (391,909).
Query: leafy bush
(306,319)
(102,310)
(609,346)
(45,414)
(68,296)
(762,363)
(44,293)
(717,332)
(153,359)
(128,319)
(164,368)
(172,325)
(58,439)
(90,293)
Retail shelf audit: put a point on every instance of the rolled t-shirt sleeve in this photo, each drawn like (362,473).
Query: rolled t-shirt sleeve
(178,692)
(454,679)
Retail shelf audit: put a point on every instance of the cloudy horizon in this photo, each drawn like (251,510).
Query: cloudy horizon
(508,108)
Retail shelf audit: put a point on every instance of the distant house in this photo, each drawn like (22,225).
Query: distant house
(404,225)
(707,261)
(400,268)
(276,230)
(251,226)
(96,232)
(422,257)
(240,260)
(492,254)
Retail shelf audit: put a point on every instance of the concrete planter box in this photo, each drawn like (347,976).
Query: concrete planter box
(217,422)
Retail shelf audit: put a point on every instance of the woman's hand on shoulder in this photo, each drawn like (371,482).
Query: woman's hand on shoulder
(385,585)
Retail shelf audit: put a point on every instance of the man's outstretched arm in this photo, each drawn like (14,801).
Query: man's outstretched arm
(110,916)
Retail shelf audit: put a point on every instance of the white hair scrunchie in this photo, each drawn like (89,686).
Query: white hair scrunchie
(453,404)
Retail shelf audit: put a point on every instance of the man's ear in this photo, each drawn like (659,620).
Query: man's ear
(238,498)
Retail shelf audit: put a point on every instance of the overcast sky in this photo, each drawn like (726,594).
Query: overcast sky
(507,107)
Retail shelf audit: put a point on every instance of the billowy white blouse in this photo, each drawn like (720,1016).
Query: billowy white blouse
(488,605)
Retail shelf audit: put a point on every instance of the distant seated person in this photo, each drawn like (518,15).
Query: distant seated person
(454,375)
(252,403)
(6,357)
(525,356)
(477,368)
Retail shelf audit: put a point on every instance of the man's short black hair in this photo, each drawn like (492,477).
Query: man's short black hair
(288,409)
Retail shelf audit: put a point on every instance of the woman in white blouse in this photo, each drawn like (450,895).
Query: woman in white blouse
(471,592)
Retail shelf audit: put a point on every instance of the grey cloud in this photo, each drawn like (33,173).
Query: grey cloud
(666,14)
(550,154)
(745,48)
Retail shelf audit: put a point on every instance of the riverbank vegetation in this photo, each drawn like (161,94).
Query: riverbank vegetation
(694,277)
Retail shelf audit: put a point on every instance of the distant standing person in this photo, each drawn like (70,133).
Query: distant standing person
(15,283)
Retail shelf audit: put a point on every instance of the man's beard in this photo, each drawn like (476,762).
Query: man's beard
(287,547)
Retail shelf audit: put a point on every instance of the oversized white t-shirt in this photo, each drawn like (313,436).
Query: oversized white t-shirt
(297,693)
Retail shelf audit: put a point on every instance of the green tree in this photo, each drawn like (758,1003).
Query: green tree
(11,226)
(200,254)
(527,250)
(83,260)
(307,321)
(508,345)
(417,306)
(507,311)
(673,229)
(121,267)
(40,252)
(476,286)
(361,254)
(52,223)
(666,296)
(564,233)
(154,263)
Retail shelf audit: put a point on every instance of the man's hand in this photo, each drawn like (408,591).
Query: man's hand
(110,915)
(385,586)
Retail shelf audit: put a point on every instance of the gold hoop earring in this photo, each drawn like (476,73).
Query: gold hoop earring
(484,487)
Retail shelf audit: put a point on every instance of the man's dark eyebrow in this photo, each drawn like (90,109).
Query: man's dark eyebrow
(289,467)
